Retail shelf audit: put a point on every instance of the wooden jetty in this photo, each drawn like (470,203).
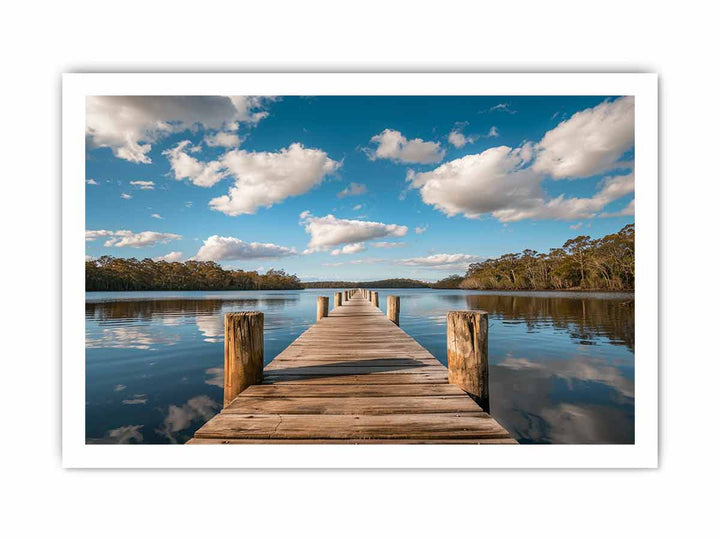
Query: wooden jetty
(354,377)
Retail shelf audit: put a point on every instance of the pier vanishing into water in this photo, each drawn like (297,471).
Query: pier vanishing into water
(355,377)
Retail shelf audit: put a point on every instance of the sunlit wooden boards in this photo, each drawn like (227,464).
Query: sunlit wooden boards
(353,378)
(395,427)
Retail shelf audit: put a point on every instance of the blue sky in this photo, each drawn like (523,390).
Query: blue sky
(348,187)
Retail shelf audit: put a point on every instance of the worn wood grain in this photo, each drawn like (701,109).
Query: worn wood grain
(243,352)
(352,441)
(393,309)
(351,405)
(343,426)
(322,307)
(467,353)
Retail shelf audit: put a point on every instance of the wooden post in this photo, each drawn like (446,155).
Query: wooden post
(393,309)
(243,352)
(375,299)
(338,299)
(322,307)
(467,353)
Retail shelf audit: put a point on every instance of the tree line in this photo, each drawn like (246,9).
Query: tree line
(396,283)
(117,274)
(607,263)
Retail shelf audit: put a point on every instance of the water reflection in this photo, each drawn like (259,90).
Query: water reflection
(105,309)
(584,318)
(212,327)
(216,377)
(562,366)
(120,435)
(179,418)
(579,400)
(123,337)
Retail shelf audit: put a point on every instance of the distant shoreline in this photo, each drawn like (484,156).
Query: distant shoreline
(496,291)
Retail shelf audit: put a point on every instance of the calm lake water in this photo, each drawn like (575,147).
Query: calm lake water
(562,365)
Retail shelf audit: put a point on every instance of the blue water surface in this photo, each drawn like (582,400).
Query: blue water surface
(561,364)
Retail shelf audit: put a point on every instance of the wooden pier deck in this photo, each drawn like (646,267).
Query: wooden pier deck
(353,378)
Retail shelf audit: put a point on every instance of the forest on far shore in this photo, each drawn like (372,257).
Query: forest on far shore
(117,274)
(607,264)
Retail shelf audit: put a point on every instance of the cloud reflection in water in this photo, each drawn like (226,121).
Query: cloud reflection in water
(582,400)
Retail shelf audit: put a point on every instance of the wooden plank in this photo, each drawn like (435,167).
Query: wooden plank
(371,378)
(349,426)
(330,361)
(349,390)
(330,426)
(352,441)
(351,368)
(351,405)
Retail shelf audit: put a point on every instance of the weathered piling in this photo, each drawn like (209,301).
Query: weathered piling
(393,309)
(375,299)
(338,299)
(467,354)
(243,352)
(322,307)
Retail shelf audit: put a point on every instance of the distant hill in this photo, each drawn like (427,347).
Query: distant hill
(398,283)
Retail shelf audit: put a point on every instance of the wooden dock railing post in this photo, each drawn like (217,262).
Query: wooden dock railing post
(243,352)
(375,299)
(338,299)
(322,307)
(467,354)
(393,309)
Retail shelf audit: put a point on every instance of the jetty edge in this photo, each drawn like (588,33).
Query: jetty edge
(355,377)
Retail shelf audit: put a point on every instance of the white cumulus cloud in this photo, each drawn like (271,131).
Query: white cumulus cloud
(349,248)
(125,238)
(388,245)
(442,261)
(173,256)
(227,248)
(328,231)
(500,182)
(573,208)
(391,144)
(480,183)
(91,182)
(590,142)
(225,139)
(129,125)
(629,210)
(143,184)
(185,166)
(265,178)
(458,139)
